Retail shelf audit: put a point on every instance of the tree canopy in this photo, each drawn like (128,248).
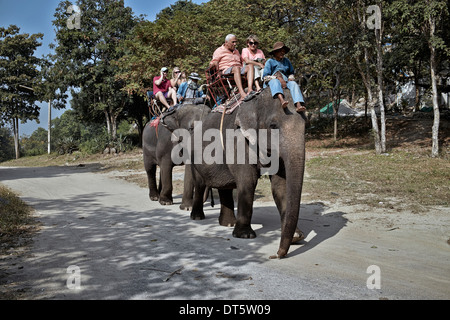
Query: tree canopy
(108,57)
(19,72)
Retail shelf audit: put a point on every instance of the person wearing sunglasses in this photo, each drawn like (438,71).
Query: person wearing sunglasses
(253,56)
(162,89)
(228,60)
(177,78)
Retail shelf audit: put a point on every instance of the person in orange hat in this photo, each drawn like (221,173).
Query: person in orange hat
(279,74)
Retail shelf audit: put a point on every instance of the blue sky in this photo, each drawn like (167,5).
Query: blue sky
(35,16)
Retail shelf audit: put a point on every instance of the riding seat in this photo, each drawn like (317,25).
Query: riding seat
(155,106)
(222,87)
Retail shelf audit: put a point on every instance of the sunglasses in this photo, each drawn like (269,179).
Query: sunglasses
(253,43)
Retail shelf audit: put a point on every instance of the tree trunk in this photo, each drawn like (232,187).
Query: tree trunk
(367,79)
(417,87)
(114,126)
(435,134)
(108,123)
(379,37)
(336,103)
(371,103)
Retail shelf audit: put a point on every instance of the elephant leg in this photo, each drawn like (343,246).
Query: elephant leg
(197,212)
(226,218)
(279,196)
(243,228)
(151,177)
(188,191)
(165,196)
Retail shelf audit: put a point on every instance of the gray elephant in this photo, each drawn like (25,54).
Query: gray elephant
(226,166)
(157,147)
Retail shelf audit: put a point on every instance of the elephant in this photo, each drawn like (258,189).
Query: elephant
(263,115)
(157,147)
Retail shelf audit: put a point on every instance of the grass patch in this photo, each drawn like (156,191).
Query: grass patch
(15,219)
(384,179)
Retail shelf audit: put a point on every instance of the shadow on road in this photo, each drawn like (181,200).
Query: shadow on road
(127,247)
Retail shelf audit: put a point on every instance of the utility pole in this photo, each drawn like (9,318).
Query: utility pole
(49,124)
(49,117)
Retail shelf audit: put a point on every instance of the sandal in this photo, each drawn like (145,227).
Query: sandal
(250,96)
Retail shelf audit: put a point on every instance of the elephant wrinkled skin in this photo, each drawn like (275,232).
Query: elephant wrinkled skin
(157,147)
(263,112)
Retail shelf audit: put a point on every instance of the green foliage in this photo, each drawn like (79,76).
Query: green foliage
(6,145)
(71,133)
(109,63)
(18,70)
(186,35)
(86,55)
(36,144)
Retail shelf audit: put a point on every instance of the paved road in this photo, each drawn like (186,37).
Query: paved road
(125,247)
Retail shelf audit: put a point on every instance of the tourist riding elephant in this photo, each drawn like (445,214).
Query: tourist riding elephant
(157,147)
(260,135)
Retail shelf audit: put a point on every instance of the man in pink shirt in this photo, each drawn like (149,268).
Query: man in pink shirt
(228,60)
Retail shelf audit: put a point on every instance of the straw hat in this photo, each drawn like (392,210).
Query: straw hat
(278,46)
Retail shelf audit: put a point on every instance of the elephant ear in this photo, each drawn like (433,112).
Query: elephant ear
(247,121)
(170,120)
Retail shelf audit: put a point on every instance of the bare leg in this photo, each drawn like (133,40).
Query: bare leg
(173,95)
(258,87)
(160,97)
(237,78)
(250,77)
(284,103)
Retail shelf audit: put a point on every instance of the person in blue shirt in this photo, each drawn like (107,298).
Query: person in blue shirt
(190,91)
(279,74)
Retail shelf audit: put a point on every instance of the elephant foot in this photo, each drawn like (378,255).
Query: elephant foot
(227,221)
(280,255)
(165,202)
(154,198)
(243,232)
(197,215)
(186,207)
(298,236)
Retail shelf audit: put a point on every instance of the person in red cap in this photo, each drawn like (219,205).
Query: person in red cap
(279,74)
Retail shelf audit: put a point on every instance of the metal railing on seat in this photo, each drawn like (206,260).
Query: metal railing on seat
(221,86)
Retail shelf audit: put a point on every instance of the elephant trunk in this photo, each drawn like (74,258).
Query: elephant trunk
(294,160)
